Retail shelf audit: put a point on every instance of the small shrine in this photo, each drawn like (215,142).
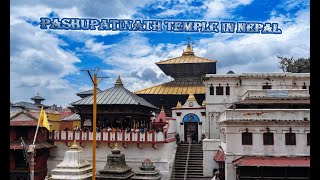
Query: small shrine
(160,121)
(147,171)
(116,167)
(73,166)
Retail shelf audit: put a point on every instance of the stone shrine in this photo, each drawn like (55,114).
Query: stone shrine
(116,167)
(147,171)
(73,166)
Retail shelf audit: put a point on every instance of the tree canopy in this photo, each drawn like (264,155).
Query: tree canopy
(301,65)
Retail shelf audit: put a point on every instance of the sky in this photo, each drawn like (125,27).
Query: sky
(49,61)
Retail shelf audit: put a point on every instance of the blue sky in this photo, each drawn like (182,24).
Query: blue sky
(50,61)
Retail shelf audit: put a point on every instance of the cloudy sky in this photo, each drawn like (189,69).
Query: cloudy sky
(50,61)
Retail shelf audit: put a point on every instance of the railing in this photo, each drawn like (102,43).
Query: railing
(109,136)
(275,93)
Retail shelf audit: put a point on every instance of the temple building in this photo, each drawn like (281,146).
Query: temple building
(117,108)
(187,71)
(23,126)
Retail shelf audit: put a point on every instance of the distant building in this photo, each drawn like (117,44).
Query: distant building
(23,125)
(53,112)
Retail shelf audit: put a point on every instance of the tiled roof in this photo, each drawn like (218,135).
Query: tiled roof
(72,117)
(176,87)
(26,105)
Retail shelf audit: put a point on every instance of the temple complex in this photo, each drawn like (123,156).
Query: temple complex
(187,71)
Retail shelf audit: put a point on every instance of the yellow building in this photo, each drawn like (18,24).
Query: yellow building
(54,118)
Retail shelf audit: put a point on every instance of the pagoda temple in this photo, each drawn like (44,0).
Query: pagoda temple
(117,107)
(187,71)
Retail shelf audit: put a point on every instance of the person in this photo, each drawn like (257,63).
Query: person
(216,174)
(178,138)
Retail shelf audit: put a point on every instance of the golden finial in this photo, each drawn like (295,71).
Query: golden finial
(191,96)
(162,109)
(74,145)
(189,49)
(203,103)
(116,147)
(179,105)
(119,82)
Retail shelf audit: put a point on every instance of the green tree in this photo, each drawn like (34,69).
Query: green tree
(301,65)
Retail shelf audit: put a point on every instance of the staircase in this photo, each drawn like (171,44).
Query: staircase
(188,162)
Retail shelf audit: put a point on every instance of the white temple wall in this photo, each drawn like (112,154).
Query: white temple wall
(162,157)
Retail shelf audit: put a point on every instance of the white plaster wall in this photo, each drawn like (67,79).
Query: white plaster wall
(210,147)
(162,157)
(234,139)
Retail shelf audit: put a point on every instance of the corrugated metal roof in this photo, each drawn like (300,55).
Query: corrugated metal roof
(26,105)
(88,92)
(116,95)
(184,59)
(72,117)
(176,87)
(273,161)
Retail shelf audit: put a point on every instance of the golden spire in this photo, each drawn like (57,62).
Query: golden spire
(74,145)
(119,82)
(116,147)
(179,105)
(191,96)
(189,49)
(162,109)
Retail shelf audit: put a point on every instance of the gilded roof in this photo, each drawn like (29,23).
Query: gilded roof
(186,59)
(176,87)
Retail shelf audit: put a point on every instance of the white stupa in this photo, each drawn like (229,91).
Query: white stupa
(73,166)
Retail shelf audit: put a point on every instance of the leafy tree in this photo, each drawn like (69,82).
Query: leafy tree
(301,65)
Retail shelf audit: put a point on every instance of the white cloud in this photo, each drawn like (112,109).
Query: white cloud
(258,52)
(223,9)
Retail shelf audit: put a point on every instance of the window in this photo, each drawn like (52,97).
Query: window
(304,86)
(246,138)
(266,86)
(19,159)
(290,138)
(308,139)
(21,132)
(211,90)
(268,138)
(219,90)
(227,90)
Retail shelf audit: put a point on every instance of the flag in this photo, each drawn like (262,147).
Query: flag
(43,119)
